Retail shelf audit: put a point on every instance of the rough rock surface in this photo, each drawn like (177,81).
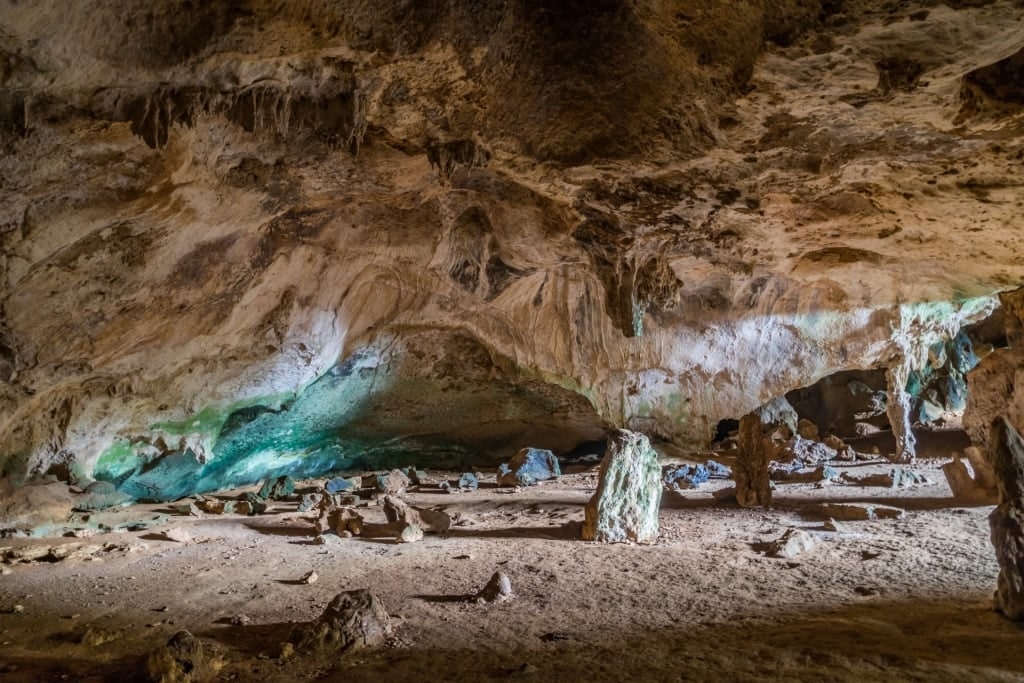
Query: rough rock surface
(184,659)
(625,505)
(1006,450)
(529,466)
(290,236)
(353,620)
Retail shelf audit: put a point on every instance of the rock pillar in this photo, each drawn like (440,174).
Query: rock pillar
(898,409)
(1006,451)
(625,505)
(753,486)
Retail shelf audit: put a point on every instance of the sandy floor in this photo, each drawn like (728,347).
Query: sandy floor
(877,601)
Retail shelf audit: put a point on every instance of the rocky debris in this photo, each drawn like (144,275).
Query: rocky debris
(65,552)
(184,659)
(967,487)
(792,543)
(789,474)
(309,578)
(215,506)
(352,620)
(308,501)
(753,484)
(685,476)
(806,452)
(1006,522)
(856,512)
(100,495)
(343,521)
(417,476)
(895,478)
(94,637)
(277,489)
(498,589)
(807,430)
(251,504)
(178,535)
(430,521)
(834,526)
(625,505)
(529,466)
(393,483)
(339,485)
(188,508)
(468,481)
(410,533)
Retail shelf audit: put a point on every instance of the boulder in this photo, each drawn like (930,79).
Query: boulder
(393,483)
(184,659)
(338,485)
(277,489)
(397,510)
(468,482)
(625,505)
(529,466)
(353,619)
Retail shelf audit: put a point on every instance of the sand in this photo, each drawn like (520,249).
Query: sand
(886,600)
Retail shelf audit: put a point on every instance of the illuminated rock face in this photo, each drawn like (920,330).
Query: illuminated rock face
(340,235)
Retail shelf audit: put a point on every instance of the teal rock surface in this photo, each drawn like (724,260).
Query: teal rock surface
(625,505)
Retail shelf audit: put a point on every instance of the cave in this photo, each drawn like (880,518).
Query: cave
(488,340)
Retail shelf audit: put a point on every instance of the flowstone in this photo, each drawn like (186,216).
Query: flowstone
(1006,450)
(625,505)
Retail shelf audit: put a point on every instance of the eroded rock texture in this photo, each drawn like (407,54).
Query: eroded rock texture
(246,239)
(625,505)
(1006,450)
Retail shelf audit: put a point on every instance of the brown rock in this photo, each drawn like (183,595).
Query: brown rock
(352,620)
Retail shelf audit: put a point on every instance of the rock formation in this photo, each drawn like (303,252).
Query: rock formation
(625,505)
(253,239)
(753,487)
(1006,450)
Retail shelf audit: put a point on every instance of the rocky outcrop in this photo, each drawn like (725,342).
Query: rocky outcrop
(282,238)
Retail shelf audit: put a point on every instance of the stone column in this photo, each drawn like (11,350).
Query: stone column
(1006,452)
(625,505)
(898,409)
(753,486)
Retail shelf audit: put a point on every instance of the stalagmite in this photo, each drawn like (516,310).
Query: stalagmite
(1006,451)
(625,505)
(751,473)
(898,408)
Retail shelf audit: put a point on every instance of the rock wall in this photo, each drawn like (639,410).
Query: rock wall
(290,236)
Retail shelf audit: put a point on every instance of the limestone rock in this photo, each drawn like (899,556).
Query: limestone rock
(353,620)
(184,659)
(277,489)
(753,486)
(430,521)
(529,466)
(792,543)
(498,589)
(857,512)
(1006,451)
(625,505)
(178,535)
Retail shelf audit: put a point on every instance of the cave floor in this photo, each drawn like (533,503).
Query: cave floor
(887,600)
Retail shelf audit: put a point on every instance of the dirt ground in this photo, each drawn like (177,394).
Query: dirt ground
(886,600)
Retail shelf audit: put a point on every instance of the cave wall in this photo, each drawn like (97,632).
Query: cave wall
(252,236)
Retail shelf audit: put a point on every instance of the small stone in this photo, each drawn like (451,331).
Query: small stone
(792,543)
(417,477)
(178,535)
(182,660)
(410,533)
(240,620)
(857,512)
(468,482)
(498,589)
(807,429)
(833,525)
(18,609)
(309,578)
(309,501)
(287,651)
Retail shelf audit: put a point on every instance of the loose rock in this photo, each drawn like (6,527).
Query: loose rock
(410,533)
(792,543)
(277,489)
(178,535)
(182,660)
(498,589)
(529,466)
(354,619)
